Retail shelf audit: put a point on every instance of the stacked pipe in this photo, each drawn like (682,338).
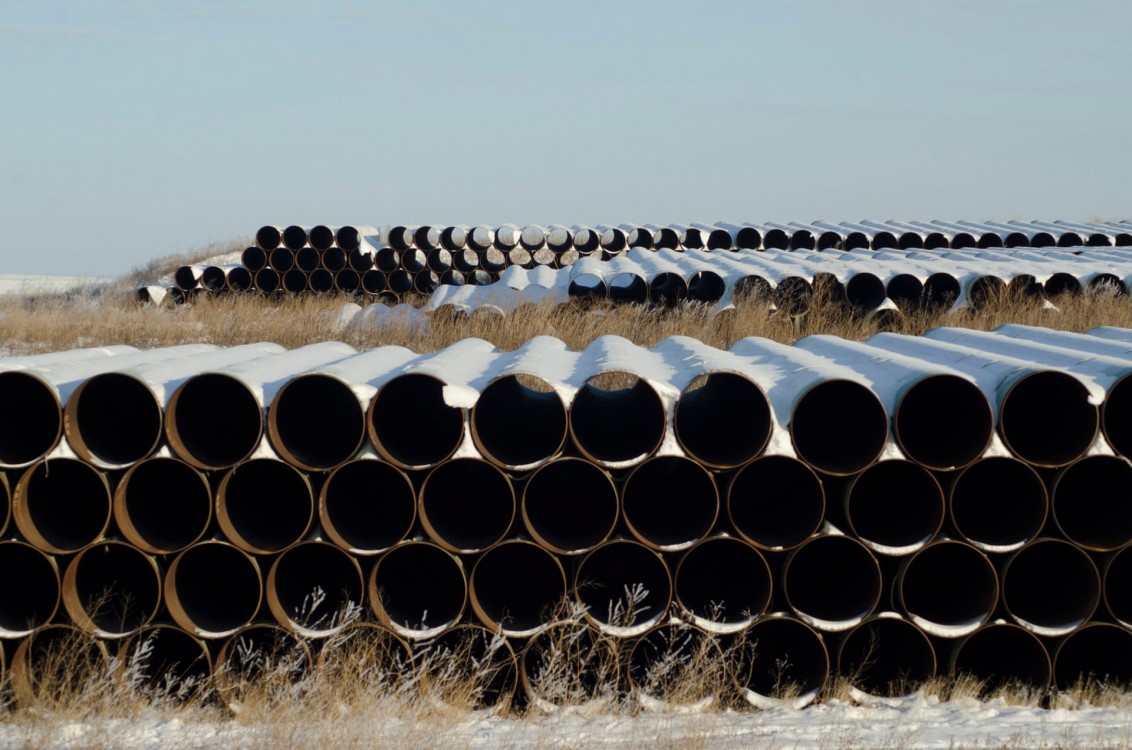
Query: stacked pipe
(886,510)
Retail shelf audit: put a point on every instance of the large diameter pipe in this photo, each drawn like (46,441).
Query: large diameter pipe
(998,504)
(411,424)
(781,662)
(617,419)
(418,590)
(723,420)
(61,505)
(111,589)
(839,427)
(624,586)
(1118,585)
(1050,587)
(267,281)
(470,667)
(463,521)
(55,666)
(949,589)
(31,420)
(316,422)
(162,505)
(519,422)
(213,589)
(1098,656)
(516,588)
(366,506)
(570,506)
(895,507)
(167,662)
(268,238)
(676,665)
(259,662)
(886,656)
(568,664)
(30,593)
(365,653)
(724,584)
(832,582)
(314,589)
(775,502)
(1090,505)
(1003,656)
(264,505)
(669,502)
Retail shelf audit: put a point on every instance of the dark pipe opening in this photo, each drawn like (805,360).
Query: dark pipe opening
(941,290)
(989,240)
(1098,239)
(264,505)
(185,277)
(832,581)
(414,260)
(373,282)
(426,282)
(885,241)
(506,237)
(802,239)
(827,289)
(1051,585)
(857,241)
(905,290)
(623,585)
(839,427)
(998,504)
(1015,239)
(400,281)
(748,238)
(426,237)
(1118,585)
(724,581)
(895,505)
(411,425)
(911,241)
(1116,416)
(986,290)
(31,421)
(253,258)
(752,290)
(418,587)
(1071,239)
(706,286)
(1004,656)
(359,261)
(316,422)
(1062,283)
(776,239)
(58,660)
(887,657)
(238,280)
(865,291)
(347,281)
(439,260)
(943,422)
(461,520)
(30,597)
(719,239)
(400,238)
(586,241)
(588,286)
(295,281)
(949,588)
(168,661)
(320,281)
(939,241)
(268,238)
(213,279)
(1097,655)
(267,280)
(294,237)
(62,504)
(793,295)
(454,278)
(1108,283)
(613,240)
(314,586)
(722,420)
(830,240)
(776,502)
(964,240)
(260,653)
(321,237)
(481,238)
(348,238)
(568,663)
(676,664)
(213,589)
(1043,239)
(570,505)
(1090,502)
(780,656)
(453,239)
(1047,419)
(517,425)
(517,587)
(475,668)
(670,502)
(334,259)
(1024,286)
(213,421)
(367,506)
(465,260)
(116,586)
(532,237)
(163,505)
(387,259)
(668,289)
(617,425)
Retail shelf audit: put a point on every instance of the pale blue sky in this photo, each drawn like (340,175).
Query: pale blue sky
(134,129)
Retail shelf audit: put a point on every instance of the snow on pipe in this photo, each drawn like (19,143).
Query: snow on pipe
(411,424)
(625,587)
(565,662)
(465,522)
(782,663)
(744,237)
(167,658)
(676,665)
(515,588)
(454,238)
(366,506)
(949,588)
(1051,587)
(53,660)
(1099,653)
(832,582)
(998,504)
(775,502)
(710,587)
(1089,503)
(29,598)
(518,422)
(313,587)
(669,502)
(723,420)
(481,238)
(212,589)
(258,653)
(182,516)
(506,237)
(61,505)
(111,589)
(264,505)
(1003,655)
(1118,585)
(617,419)
(894,507)
(475,669)
(570,506)
(886,656)
(418,590)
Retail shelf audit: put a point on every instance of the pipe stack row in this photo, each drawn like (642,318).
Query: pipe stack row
(885,510)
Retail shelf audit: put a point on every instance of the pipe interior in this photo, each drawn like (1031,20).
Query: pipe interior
(1108,283)
(943,422)
(212,279)
(244,659)
(608,576)
(294,237)
(317,585)
(998,502)
(67,502)
(1004,656)
(321,281)
(1090,502)
(793,295)
(941,289)
(706,286)
(670,502)
(887,657)
(400,281)
(668,289)
(61,660)
(347,280)
(1118,586)
(613,424)
(214,420)
(669,663)
(321,237)
(518,586)
(857,241)
(29,599)
(268,238)
(217,587)
(477,670)
(467,504)
(724,580)
(833,579)
(373,282)
(895,504)
(168,503)
(253,258)
(31,421)
(169,661)
(281,259)
(348,238)
(566,661)
(117,586)
(570,504)
(1116,416)
(753,290)
(865,291)
(776,239)
(830,240)
(905,290)
(239,280)
(334,260)
(519,420)
(839,426)
(267,280)
(1096,655)
(776,502)
(317,421)
(780,656)
(419,586)
(911,241)
(1046,418)
(986,290)
(369,504)
(412,424)
(185,277)
(950,584)
(1051,584)
(723,419)
(116,417)
(295,281)
(749,238)
(628,288)
(268,504)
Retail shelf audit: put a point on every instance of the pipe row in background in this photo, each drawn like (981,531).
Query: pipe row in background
(419,259)
(919,503)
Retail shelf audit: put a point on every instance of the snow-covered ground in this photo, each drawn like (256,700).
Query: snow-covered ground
(19,284)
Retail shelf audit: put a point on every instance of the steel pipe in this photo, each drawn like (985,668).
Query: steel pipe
(418,590)
(166,662)
(465,522)
(264,505)
(723,420)
(471,668)
(617,425)
(886,656)
(55,665)
(624,586)
(348,237)
(266,281)
(669,502)
(895,507)
(162,505)
(61,505)
(775,502)
(31,418)
(410,423)
(570,506)
(111,589)
(1050,587)
(308,259)
(314,589)
(319,281)
(281,260)
(1099,655)
(213,278)
(261,660)
(567,664)
(213,589)
(676,665)
(723,584)
(268,238)
(238,280)
(1004,656)
(507,236)
(838,426)
(316,422)
(516,588)
(1117,588)
(367,506)
(832,582)
(295,281)
(949,589)
(782,662)
(1089,504)
(998,504)
(519,422)
(30,594)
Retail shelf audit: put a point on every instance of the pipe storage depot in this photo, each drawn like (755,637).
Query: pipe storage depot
(886,510)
